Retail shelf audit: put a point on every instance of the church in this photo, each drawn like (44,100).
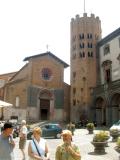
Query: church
(37,91)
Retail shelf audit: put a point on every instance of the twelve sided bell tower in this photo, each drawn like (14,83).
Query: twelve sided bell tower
(85,32)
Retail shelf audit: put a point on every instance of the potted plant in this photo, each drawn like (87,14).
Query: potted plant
(100,141)
(114,133)
(90,127)
(117,148)
(71,127)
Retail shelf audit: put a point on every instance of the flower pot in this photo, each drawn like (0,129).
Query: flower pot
(90,130)
(114,136)
(99,147)
(71,127)
(117,149)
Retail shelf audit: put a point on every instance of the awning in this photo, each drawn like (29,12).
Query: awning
(4,104)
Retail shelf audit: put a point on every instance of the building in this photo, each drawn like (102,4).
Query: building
(85,33)
(106,96)
(37,91)
(4,78)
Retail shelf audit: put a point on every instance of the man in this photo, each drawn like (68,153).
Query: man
(23,137)
(67,150)
(6,142)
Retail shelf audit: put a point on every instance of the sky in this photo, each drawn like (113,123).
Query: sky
(28,26)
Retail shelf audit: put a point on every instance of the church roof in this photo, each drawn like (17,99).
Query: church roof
(47,54)
(109,37)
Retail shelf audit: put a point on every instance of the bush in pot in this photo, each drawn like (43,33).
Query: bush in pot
(100,141)
(71,127)
(90,127)
(114,133)
(117,148)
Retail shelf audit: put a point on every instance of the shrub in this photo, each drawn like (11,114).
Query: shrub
(90,126)
(114,131)
(118,142)
(102,136)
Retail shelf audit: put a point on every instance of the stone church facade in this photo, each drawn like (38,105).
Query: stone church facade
(37,91)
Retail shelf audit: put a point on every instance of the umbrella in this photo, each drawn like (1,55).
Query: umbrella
(4,104)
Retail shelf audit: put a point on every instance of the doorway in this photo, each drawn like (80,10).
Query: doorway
(44,109)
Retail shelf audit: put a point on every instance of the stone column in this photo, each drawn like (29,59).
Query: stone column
(52,109)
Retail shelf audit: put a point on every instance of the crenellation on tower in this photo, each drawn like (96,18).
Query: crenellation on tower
(97,18)
(92,15)
(84,14)
(77,16)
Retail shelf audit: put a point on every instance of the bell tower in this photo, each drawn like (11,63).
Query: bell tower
(85,32)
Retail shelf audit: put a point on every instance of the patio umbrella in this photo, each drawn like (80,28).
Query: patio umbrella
(4,104)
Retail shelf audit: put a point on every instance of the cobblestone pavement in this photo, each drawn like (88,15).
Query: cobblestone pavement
(83,140)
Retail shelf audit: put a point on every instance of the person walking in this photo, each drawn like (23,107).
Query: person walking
(23,138)
(38,148)
(67,150)
(7,143)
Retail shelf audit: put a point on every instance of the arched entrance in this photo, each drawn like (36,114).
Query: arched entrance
(100,111)
(44,108)
(115,101)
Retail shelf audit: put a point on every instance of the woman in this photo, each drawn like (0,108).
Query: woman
(37,148)
(23,138)
(67,150)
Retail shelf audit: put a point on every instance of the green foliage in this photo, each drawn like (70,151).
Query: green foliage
(70,126)
(28,127)
(118,142)
(102,136)
(90,126)
(114,131)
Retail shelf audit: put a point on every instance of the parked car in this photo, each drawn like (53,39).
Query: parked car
(116,126)
(48,130)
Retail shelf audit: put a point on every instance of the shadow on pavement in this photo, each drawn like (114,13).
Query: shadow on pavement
(93,153)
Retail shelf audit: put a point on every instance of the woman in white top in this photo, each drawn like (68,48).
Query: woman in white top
(23,138)
(37,148)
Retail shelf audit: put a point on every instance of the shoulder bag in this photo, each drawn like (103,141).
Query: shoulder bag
(36,148)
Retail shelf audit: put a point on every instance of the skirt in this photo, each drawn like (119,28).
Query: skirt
(22,143)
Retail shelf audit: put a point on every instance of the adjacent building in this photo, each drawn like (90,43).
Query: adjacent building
(106,96)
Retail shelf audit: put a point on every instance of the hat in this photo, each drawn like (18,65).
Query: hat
(66,132)
(23,122)
(7,125)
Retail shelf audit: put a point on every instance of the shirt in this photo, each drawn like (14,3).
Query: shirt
(40,146)
(6,149)
(62,154)
(23,130)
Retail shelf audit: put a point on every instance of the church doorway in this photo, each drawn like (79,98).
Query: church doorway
(45,109)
